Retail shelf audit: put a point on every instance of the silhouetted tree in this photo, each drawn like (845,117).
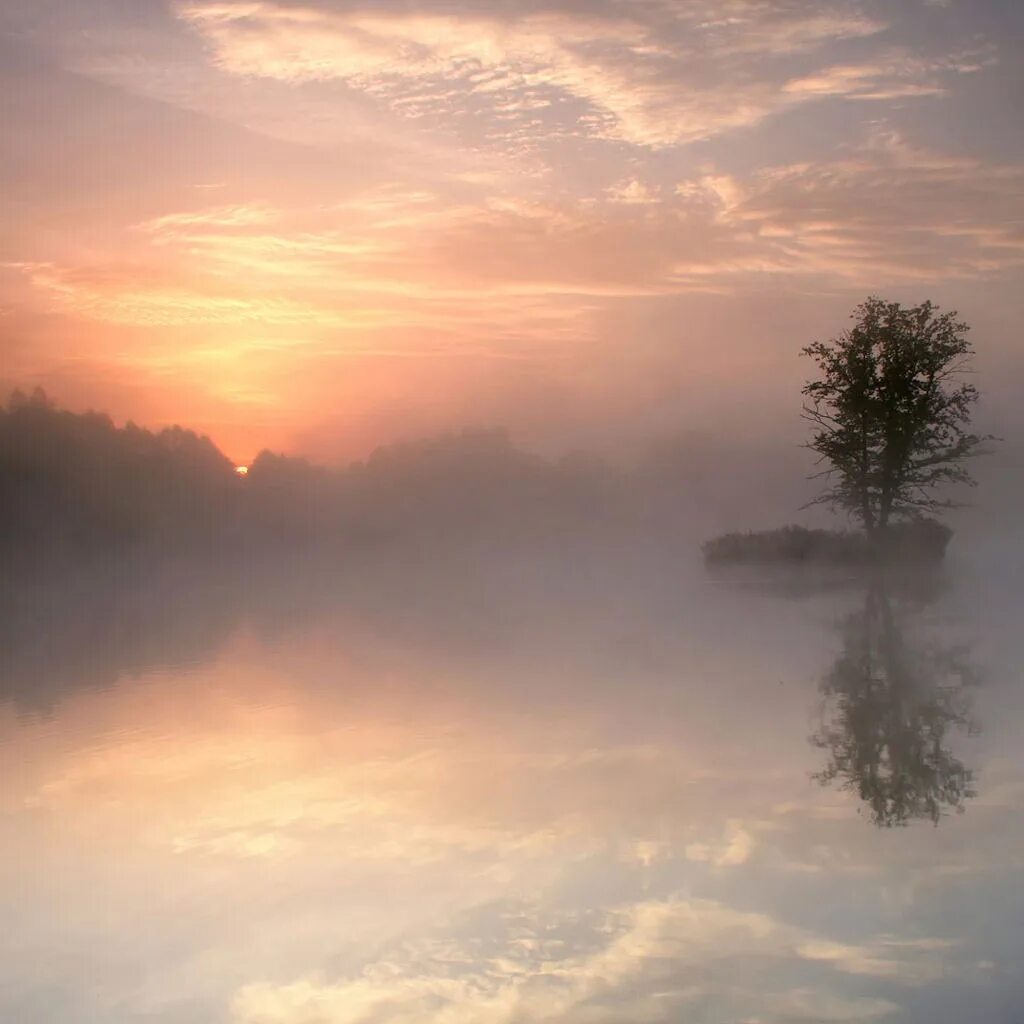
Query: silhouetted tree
(893,706)
(892,413)
(77,481)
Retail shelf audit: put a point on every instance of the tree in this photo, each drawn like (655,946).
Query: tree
(892,412)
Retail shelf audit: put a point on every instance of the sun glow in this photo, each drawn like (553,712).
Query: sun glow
(503,200)
(242,470)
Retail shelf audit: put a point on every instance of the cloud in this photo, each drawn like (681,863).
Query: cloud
(893,75)
(881,209)
(915,960)
(137,296)
(390,258)
(648,74)
(735,850)
(889,209)
(633,192)
(236,216)
(696,959)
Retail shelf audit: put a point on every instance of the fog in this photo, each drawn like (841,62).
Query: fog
(418,601)
(129,550)
(465,733)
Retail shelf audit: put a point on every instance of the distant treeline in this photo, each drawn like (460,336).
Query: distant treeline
(72,484)
(69,479)
(77,482)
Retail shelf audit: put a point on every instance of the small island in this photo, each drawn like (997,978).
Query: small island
(890,414)
(919,542)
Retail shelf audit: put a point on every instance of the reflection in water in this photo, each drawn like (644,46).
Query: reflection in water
(894,703)
(501,792)
(88,627)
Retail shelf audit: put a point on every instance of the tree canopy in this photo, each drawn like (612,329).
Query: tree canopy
(891,412)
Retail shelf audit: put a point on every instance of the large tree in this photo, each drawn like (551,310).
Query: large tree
(891,412)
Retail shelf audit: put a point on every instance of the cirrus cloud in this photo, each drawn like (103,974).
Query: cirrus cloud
(649,74)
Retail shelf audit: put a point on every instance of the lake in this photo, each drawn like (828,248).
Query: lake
(504,788)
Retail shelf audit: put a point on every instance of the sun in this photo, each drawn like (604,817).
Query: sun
(242,470)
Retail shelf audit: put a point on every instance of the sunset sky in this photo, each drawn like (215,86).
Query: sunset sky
(324,225)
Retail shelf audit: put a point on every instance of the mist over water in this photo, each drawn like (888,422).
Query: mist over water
(520,775)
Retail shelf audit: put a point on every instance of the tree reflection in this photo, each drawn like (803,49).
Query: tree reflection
(892,704)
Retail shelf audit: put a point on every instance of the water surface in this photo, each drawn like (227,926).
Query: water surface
(512,789)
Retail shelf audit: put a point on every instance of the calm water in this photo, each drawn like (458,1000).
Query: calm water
(557,788)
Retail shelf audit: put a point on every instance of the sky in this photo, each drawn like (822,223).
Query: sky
(326,225)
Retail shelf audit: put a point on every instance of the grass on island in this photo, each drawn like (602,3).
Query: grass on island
(920,541)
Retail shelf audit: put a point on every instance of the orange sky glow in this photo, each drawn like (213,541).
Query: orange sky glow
(320,226)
